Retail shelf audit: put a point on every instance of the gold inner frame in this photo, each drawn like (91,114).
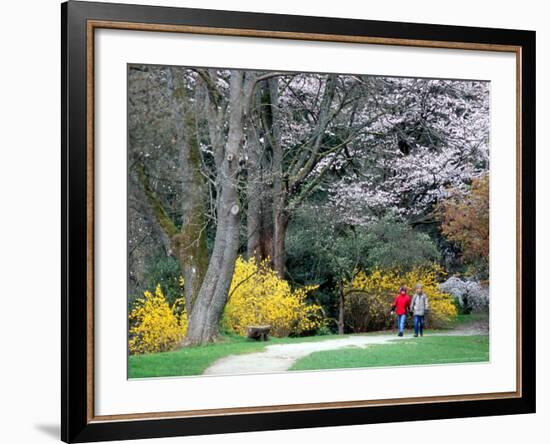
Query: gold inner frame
(95,24)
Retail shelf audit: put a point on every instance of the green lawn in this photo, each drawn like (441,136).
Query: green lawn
(191,361)
(194,360)
(414,351)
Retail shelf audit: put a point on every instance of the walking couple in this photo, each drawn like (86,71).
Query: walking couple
(418,307)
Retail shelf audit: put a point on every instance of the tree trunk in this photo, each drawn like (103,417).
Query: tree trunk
(280,215)
(341,308)
(287,184)
(203,321)
(266,222)
(279,236)
(259,213)
(190,243)
(259,185)
(253,192)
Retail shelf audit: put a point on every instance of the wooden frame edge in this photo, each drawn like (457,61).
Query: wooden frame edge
(301,407)
(338,38)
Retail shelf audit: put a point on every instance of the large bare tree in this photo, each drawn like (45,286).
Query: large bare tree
(212,296)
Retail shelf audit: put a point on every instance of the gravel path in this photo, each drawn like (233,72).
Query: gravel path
(280,357)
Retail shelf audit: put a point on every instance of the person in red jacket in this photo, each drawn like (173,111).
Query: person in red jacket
(401,306)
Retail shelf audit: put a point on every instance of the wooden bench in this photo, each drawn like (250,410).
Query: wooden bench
(258,332)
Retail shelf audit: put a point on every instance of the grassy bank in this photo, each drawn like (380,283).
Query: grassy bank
(465,319)
(191,361)
(414,351)
(194,360)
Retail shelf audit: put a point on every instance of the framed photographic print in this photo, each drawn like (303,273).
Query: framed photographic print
(275,221)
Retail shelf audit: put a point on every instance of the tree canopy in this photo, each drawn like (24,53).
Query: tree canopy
(318,174)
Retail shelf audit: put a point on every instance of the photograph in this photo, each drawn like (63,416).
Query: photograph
(283,221)
(279,220)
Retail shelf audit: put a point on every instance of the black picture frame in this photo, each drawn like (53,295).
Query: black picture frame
(77,424)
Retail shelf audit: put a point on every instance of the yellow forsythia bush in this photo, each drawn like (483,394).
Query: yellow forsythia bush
(369,298)
(155,326)
(258,297)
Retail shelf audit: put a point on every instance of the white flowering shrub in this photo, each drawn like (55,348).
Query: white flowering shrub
(470,295)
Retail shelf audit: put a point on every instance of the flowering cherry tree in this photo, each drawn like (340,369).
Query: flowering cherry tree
(432,136)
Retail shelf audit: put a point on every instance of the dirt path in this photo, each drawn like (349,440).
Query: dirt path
(280,357)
